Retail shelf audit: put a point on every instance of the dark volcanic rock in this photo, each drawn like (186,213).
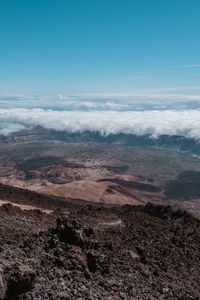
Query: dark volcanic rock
(186,186)
(93,252)
(134,185)
(19,280)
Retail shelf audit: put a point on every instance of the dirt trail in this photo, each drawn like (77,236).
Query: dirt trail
(26,207)
(113,223)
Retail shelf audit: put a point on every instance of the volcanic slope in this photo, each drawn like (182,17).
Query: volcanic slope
(81,250)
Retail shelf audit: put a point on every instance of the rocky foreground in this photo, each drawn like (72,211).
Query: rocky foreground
(88,251)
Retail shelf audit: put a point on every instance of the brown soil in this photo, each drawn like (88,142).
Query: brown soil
(93,251)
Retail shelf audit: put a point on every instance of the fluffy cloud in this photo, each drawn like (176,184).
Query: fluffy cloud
(170,122)
(12,97)
(7,128)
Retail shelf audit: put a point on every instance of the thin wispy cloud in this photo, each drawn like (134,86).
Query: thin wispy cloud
(171,97)
(191,66)
(62,97)
(171,89)
(12,97)
(144,91)
(134,77)
(195,75)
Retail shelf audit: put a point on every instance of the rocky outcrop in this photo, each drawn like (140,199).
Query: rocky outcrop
(96,252)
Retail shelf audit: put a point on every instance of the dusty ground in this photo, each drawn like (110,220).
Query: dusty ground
(86,250)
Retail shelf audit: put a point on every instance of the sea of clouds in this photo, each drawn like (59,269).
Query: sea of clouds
(169,111)
(154,99)
(153,122)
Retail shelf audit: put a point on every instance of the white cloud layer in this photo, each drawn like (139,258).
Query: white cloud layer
(7,128)
(170,122)
(172,98)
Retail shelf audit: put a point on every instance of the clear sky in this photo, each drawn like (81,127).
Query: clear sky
(98,46)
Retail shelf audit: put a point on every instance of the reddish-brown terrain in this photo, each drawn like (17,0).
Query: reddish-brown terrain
(85,219)
(118,172)
(53,248)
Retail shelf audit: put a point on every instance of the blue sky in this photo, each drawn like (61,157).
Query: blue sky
(75,47)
